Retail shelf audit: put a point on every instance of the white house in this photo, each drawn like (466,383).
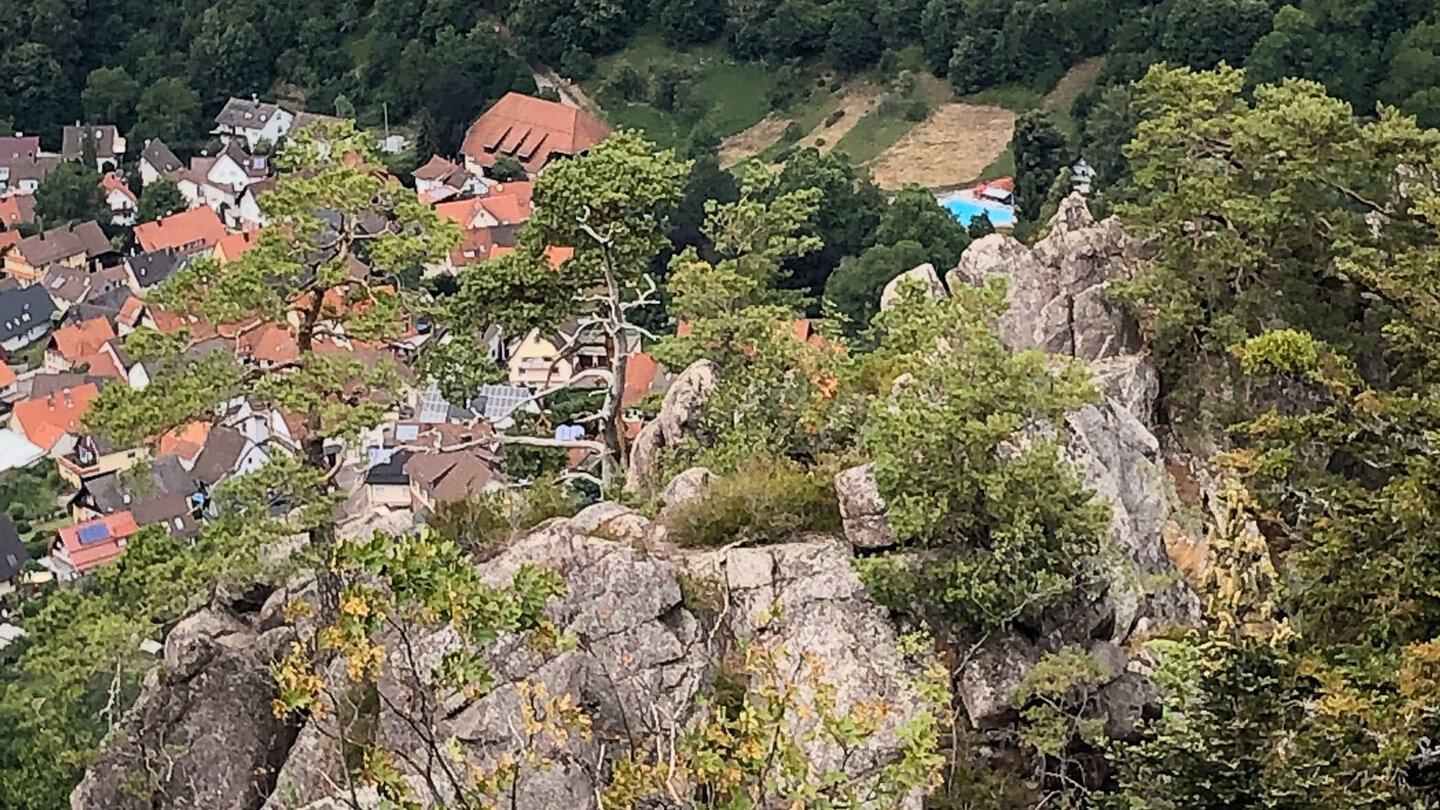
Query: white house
(119,199)
(157,161)
(253,121)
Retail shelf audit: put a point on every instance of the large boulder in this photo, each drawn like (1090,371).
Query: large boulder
(925,274)
(678,420)
(862,509)
(202,733)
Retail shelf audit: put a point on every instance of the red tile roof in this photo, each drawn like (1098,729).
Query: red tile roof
(272,343)
(104,363)
(186,441)
(437,168)
(232,246)
(9,239)
(7,376)
(130,311)
(16,208)
(530,130)
(99,541)
(112,182)
(45,420)
(640,371)
(81,340)
(197,229)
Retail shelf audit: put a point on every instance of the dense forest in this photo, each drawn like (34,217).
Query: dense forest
(158,69)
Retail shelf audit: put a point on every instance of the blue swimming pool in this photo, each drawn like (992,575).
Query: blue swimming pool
(966,209)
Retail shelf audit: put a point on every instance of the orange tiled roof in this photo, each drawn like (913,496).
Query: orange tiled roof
(195,229)
(104,364)
(272,343)
(9,239)
(111,182)
(7,376)
(531,129)
(81,340)
(15,208)
(89,553)
(130,311)
(640,371)
(186,441)
(233,245)
(45,420)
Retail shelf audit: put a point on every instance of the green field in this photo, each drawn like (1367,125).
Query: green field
(874,134)
(733,94)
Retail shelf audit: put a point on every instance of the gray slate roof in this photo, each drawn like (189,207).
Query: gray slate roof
(167,477)
(12,552)
(154,267)
(159,156)
(244,113)
(221,454)
(22,309)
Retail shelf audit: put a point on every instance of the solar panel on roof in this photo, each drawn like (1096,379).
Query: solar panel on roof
(89,535)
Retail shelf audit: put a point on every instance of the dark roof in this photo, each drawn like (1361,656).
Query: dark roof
(12,552)
(154,267)
(159,156)
(254,166)
(245,113)
(110,494)
(31,168)
(105,304)
(221,454)
(173,509)
(75,284)
(43,385)
(18,147)
(392,471)
(58,244)
(21,310)
(74,138)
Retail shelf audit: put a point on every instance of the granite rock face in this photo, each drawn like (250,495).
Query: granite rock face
(202,733)
(862,509)
(925,274)
(678,420)
(650,636)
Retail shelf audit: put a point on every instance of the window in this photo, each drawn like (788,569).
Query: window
(179,523)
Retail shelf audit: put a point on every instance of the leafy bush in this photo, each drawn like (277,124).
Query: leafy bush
(834,117)
(793,132)
(486,522)
(917,110)
(764,501)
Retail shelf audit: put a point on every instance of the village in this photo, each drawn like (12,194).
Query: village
(69,297)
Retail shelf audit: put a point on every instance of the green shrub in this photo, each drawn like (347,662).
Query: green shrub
(764,501)
(834,117)
(793,132)
(783,155)
(485,523)
(917,110)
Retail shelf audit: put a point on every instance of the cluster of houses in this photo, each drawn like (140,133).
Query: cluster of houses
(69,297)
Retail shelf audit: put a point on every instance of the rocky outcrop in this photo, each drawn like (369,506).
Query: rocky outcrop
(862,509)
(678,420)
(650,633)
(1059,301)
(1057,289)
(925,274)
(202,733)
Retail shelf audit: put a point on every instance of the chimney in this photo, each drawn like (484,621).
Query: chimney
(69,403)
(50,400)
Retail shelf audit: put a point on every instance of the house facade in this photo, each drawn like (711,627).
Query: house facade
(25,315)
(253,121)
